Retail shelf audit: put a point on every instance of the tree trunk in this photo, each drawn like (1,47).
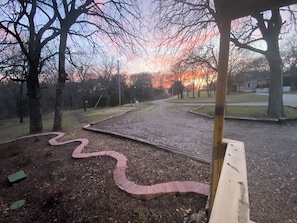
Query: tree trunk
(208,91)
(84,104)
(275,102)
(229,84)
(270,29)
(21,102)
(61,81)
(33,89)
(58,106)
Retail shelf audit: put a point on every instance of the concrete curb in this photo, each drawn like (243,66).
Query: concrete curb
(269,120)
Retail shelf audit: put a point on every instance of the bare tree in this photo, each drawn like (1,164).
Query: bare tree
(190,21)
(210,77)
(89,18)
(70,11)
(258,64)
(199,81)
(270,25)
(32,25)
(290,61)
(19,21)
(236,66)
(179,71)
(184,22)
(105,72)
(15,67)
(142,86)
(194,78)
(202,61)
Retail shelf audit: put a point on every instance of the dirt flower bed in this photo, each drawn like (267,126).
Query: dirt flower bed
(59,188)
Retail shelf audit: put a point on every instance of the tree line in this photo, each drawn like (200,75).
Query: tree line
(96,90)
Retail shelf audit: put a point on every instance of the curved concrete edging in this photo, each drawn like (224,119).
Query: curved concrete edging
(270,120)
(119,174)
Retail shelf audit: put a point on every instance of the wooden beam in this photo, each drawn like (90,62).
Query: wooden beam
(231,204)
(218,147)
(233,9)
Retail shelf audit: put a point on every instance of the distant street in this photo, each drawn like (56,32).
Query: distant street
(271,151)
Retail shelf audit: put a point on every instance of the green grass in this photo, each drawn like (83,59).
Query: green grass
(143,104)
(246,97)
(77,117)
(246,111)
(12,128)
(231,98)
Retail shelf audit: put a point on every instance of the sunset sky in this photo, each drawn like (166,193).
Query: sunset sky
(159,60)
(150,57)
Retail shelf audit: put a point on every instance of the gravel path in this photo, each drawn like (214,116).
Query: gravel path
(271,151)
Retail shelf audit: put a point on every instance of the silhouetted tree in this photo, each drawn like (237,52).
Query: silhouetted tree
(190,22)
(18,20)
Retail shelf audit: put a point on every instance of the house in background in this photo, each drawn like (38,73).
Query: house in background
(259,82)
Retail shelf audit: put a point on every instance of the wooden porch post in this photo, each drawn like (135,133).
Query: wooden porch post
(218,147)
(226,11)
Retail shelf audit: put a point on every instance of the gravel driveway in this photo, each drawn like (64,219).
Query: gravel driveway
(271,151)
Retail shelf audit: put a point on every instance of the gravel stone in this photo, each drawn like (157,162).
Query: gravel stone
(271,151)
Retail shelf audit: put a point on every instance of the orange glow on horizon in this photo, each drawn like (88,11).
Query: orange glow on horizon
(199,78)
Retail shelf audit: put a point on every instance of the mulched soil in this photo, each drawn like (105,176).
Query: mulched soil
(59,188)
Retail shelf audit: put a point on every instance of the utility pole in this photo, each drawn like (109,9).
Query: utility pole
(119,77)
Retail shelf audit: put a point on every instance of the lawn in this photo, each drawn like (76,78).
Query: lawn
(246,111)
(12,128)
(231,98)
